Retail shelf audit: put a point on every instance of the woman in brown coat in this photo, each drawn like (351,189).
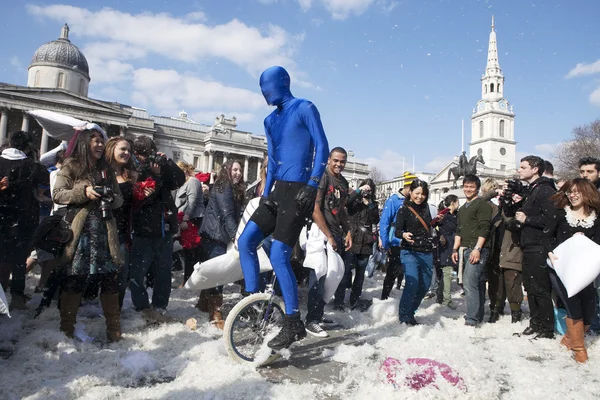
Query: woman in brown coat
(88,186)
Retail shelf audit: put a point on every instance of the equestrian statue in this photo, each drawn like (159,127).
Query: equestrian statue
(464,167)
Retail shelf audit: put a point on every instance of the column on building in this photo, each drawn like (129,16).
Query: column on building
(25,124)
(3,126)
(209,166)
(258,165)
(245,168)
(225,157)
(44,142)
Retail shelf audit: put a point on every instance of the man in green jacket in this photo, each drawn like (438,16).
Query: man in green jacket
(473,229)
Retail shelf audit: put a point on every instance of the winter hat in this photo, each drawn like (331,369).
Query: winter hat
(408,178)
(203,177)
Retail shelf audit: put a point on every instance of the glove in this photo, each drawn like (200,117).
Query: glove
(305,200)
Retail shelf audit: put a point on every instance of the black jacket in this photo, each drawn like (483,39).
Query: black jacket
(361,221)
(408,222)
(158,210)
(221,217)
(538,208)
(447,228)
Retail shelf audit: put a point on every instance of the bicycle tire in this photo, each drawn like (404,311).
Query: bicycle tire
(253,304)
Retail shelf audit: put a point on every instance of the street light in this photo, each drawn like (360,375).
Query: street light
(389,190)
(351,155)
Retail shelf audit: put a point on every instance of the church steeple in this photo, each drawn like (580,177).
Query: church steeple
(492,81)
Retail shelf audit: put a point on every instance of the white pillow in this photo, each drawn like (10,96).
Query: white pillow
(577,264)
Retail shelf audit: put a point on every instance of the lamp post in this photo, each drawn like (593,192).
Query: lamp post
(351,155)
(389,191)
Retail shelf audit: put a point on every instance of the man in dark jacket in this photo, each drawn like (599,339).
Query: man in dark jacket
(536,207)
(153,224)
(19,212)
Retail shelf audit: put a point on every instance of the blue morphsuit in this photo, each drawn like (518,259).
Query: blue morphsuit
(298,152)
(294,131)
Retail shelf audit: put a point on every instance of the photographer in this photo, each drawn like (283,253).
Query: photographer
(87,185)
(154,222)
(363,213)
(535,209)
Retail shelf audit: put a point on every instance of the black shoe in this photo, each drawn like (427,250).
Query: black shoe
(362,305)
(339,307)
(494,317)
(292,331)
(430,295)
(528,331)
(515,316)
(545,335)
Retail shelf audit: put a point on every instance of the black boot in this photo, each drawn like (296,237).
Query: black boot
(292,331)
(515,316)
(494,317)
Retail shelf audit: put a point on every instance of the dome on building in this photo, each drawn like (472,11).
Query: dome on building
(61,53)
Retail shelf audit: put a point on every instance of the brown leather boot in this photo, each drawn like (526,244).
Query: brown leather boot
(69,304)
(215,316)
(566,341)
(202,304)
(576,331)
(112,315)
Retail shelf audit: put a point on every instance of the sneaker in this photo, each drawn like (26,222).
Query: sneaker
(430,295)
(18,302)
(362,305)
(339,307)
(326,321)
(315,330)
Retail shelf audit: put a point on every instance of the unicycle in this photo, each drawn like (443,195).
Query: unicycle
(253,321)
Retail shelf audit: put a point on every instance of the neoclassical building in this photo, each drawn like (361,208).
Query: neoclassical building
(58,80)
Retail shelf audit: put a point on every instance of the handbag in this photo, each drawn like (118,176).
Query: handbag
(52,234)
(188,238)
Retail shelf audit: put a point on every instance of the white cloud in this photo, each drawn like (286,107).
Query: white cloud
(341,9)
(595,97)
(305,4)
(196,16)
(387,6)
(437,163)
(170,92)
(582,69)
(180,39)
(545,149)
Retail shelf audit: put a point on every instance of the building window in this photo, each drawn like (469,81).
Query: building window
(36,79)
(501,128)
(492,88)
(176,155)
(197,162)
(498,89)
(480,129)
(81,87)
(60,80)
(479,152)
(503,151)
(484,88)
(502,167)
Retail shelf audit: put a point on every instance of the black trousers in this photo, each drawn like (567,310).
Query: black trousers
(394,271)
(580,306)
(536,279)
(78,283)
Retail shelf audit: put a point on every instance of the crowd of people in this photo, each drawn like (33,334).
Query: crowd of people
(118,203)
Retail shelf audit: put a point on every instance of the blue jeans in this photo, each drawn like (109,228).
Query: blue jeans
(418,269)
(315,304)
(158,252)
(357,262)
(595,326)
(474,278)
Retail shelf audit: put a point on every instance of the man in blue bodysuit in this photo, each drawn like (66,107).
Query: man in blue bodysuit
(298,152)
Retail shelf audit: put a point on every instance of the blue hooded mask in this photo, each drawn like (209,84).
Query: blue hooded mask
(275,85)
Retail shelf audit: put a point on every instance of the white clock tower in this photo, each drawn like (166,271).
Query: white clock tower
(493,119)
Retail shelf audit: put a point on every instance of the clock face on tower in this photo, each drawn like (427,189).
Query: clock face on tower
(481,106)
(503,104)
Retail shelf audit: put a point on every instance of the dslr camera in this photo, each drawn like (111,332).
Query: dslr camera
(105,201)
(157,159)
(513,186)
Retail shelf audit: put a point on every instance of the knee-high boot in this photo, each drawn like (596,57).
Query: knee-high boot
(69,304)
(576,332)
(215,301)
(112,314)
(202,304)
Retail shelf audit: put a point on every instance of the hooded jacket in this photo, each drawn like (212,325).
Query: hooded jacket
(387,222)
(538,208)
(362,218)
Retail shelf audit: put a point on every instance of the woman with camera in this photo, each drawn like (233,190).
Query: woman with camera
(413,228)
(363,211)
(189,201)
(446,224)
(88,186)
(118,154)
(219,226)
(577,207)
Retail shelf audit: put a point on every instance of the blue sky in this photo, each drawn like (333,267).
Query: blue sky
(391,79)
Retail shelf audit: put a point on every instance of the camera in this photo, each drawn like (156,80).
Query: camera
(365,193)
(105,201)
(157,159)
(513,186)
